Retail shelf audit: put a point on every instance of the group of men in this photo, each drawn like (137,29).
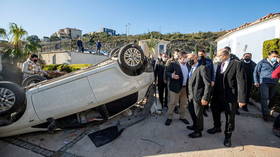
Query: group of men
(193,81)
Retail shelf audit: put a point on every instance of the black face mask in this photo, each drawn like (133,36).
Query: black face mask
(201,57)
(247,59)
(191,62)
(35,60)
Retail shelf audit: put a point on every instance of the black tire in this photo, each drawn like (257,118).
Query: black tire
(114,53)
(15,95)
(32,79)
(131,59)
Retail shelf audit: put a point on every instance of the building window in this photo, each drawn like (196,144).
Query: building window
(161,49)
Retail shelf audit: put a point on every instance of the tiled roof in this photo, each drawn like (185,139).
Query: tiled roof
(265,18)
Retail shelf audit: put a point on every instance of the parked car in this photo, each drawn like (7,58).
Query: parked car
(96,93)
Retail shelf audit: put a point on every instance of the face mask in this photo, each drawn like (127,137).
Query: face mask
(273,60)
(247,60)
(175,56)
(201,57)
(164,59)
(35,60)
(191,62)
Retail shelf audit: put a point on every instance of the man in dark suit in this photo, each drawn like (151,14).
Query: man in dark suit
(159,77)
(199,90)
(177,73)
(249,67)
(229,93)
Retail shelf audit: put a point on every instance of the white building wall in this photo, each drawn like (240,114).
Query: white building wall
(251,38)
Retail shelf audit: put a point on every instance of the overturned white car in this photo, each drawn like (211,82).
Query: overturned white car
(96,93)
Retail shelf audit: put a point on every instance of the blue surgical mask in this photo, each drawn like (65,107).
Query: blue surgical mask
(273,60)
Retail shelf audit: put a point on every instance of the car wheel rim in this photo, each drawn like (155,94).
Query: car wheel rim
(7,99)
(132,57)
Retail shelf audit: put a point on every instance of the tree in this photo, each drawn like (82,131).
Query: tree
(54,38)
(211,55)
(196,49)
(32,44)
(15,51)
(33,38)
(3,33)
(151,44)
(17,33)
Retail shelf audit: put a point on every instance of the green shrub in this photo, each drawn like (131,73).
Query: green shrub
(51,67)
(271,45)
(65,67)
(79,66)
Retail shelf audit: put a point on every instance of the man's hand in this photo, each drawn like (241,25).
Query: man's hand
(204,102)
(174,76)
(241,104)
(257,85)
(212,83)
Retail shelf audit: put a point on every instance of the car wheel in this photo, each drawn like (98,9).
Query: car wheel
(131,59)
(12,98)
(114,52)
(32,80)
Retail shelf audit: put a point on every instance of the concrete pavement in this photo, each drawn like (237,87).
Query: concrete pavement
(253,138)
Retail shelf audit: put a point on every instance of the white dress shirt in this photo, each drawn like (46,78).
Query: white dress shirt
(223,69)
(185,72)
(193,69)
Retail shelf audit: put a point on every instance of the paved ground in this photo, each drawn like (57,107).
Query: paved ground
(150,137)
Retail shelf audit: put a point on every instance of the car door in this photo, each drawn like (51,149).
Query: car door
(110,83)
(63,97)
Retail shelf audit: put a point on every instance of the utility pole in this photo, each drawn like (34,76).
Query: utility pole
(127,28)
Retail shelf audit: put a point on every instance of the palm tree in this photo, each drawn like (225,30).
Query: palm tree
(17,33)
(152,43)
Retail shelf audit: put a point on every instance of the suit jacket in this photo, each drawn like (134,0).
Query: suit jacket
(234,82)
(199,84)
(159,71)
(175,85)
(249,70)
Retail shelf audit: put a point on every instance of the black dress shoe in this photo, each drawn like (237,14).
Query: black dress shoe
(245,108)
(268,118)
(214,130)
(237,112)
(176,110)
(205,113)
(227,142)
(168,122)
(184,121)
(190,127)
(195,134)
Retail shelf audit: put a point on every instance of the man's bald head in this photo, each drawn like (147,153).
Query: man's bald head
(223,54)
(192,56)
(223,51)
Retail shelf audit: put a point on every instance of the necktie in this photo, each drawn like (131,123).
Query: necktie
(191,71)
(222,67)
